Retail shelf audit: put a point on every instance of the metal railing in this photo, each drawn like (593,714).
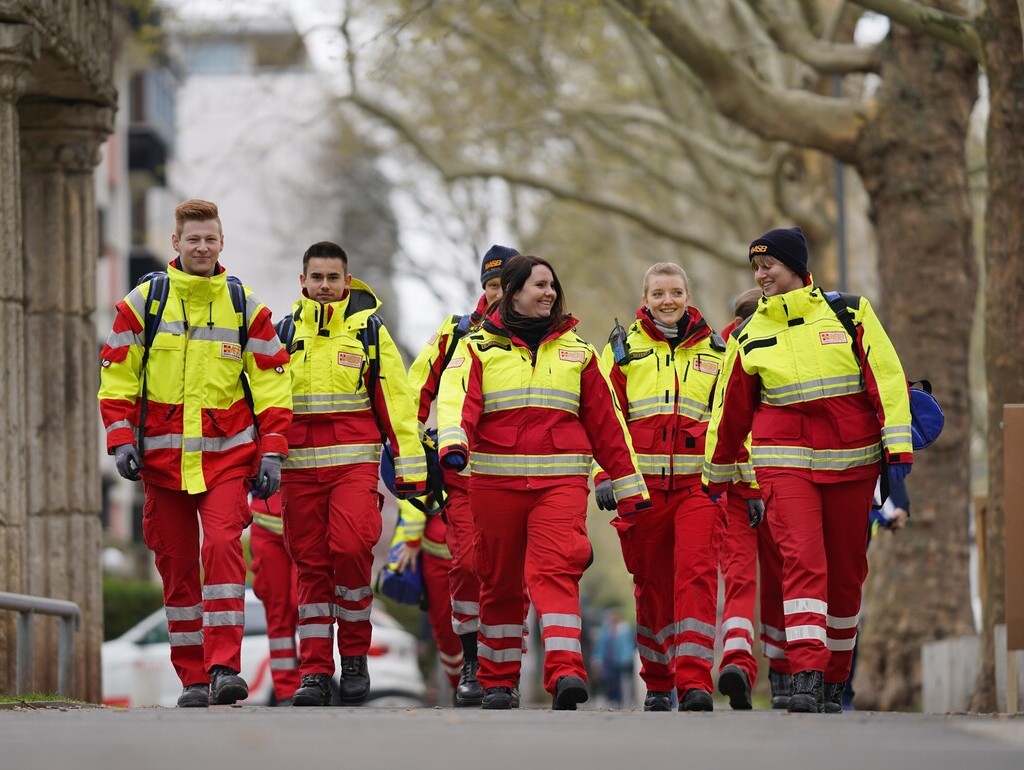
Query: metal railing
(70,620)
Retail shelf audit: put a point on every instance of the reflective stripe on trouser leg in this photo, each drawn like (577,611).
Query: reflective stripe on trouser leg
(500,517)
(304,510)
(846,511)
(464,586)
(793,503)
(739,574)
(773,621)
(439,609)
(171,531)
(223,514)
(354,527)
(699,529)
(647,547)
(274,584)
(557,553)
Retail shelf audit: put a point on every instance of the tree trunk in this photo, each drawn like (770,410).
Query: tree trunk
(1004,286)
(912,161)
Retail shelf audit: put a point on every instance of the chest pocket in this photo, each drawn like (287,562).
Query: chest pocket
(168,341)
(347,363)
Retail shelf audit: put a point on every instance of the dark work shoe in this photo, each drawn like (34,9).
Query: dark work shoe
(807,692)
(834,697)
(226,686)
(696,700)
(315,690)
(569,691)
(782,688)
(469,691)
(658,700)
(497,698)
(515,697)
(734,682)
(194,696)
(355,680)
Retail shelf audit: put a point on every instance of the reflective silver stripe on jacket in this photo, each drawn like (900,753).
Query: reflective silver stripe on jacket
(896,434)
(263,347)
(335,454)
(565,400)
(219,443)
(118,425)
(213,333)
(330,402)
(720,473)
(811,390)
(531,465)
(628,486)
(410,466)
(451,435)
(165,441)
(796,633)
(816,459)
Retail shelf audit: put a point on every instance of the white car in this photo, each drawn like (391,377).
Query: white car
(137,667)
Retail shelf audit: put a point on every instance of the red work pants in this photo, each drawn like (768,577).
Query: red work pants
(439,603)
(274,582)
(204,619)
(672,552)
(539,536)
(821,530)
(463,583)
(330,529)
(742,551)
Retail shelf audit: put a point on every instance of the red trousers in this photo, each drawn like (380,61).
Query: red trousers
(274,582)
(439,603)
(330,529)
(742,550)
(463,583)
(672,552)
(204,619)
(538,536)
(821,531)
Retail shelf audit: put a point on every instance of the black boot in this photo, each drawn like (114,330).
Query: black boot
(782,688)
(355,680)
(469,691)
(658,700)
(696,700)
(734,682)
(808,687)
(497,698)
(834,697)
(194,696)
(569,691)
(226,686)
(314,691)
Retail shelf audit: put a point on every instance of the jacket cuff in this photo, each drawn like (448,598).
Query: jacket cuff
(273,444)
(118,438)
(631,506)
(411,488)
(896,458)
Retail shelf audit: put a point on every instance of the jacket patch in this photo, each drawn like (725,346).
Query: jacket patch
(353,360)
(432,340)
(494,344)
(708,367)
(455,363)
(578,356)
(833,338)
(231,350)
(636,355)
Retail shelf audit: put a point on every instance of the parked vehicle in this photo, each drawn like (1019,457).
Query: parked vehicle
(137,667)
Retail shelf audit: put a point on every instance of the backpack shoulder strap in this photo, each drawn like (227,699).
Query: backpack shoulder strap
(237,291)
(159,288)
(462,324)
(841,304)
(286,331)
(369,335)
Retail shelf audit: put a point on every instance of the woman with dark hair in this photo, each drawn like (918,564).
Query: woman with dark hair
(525,396)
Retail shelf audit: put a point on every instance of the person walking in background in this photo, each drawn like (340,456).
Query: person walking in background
(828,413)
(616,648)
(173,381)
(664,380)
(350,392)
(526,398)
(746,547)
(425,380)
(274,581)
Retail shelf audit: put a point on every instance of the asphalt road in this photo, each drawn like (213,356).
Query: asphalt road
(352,739)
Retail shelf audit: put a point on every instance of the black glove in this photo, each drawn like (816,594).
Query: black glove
(268,477)
(755,511)
(454,460)
(128,462)
(604,495)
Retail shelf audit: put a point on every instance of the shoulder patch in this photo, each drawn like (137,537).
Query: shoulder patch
(636,355)
(432,340)
(455,363)
(578,356)
(488,344)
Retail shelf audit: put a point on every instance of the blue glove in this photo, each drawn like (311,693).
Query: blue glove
(755,512)
(716,499)
(604,495)
(454,460)
(268,477)
(128,462)
(899,471)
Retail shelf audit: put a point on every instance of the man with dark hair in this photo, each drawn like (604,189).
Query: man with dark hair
(173,396)
(351,393)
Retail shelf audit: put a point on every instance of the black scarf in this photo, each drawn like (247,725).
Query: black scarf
(529,329)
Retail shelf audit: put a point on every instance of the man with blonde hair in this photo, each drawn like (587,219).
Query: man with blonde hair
(195,402)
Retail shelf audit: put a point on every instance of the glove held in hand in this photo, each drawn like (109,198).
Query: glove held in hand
(268,477)
(604,495)
(128,462)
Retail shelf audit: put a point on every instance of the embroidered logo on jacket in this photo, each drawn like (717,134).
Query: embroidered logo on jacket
(579,356)
(432,340)
(708,367)
(833,338)
(353,360)
(231,350)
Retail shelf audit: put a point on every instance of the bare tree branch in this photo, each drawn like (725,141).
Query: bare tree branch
(948,27)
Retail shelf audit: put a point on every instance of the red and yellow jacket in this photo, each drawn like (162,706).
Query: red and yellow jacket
(790,378)
(534,420)
(199,427)
(338,422)
(665,395)
(418,530)
(425,377)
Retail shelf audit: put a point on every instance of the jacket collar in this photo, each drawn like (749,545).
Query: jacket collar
(198,287)
(696,330)
(351,311)
(793,304)
(492,324)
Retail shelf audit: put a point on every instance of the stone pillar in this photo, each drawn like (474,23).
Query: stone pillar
(60,147)
(19,49)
